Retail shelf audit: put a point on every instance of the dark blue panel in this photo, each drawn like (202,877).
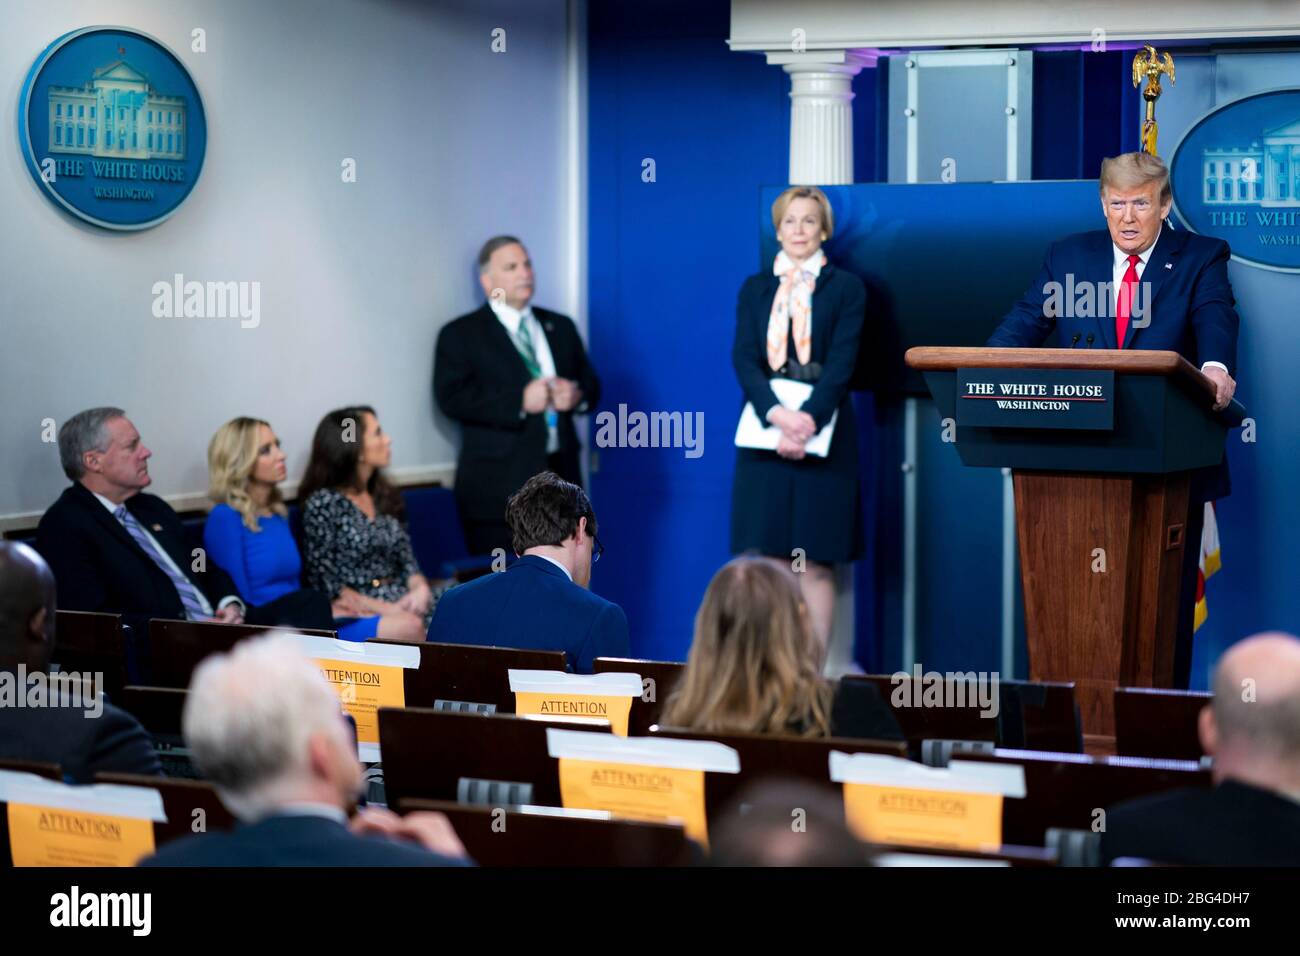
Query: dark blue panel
(959,555)
(666,260)
(1058,133)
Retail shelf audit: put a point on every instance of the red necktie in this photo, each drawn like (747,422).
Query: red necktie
(1124,300)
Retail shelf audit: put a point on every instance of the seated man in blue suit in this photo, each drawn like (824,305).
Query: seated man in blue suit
(1138,284)
(266,729)
(540,602)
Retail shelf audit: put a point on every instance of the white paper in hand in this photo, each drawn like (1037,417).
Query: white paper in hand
(752,433)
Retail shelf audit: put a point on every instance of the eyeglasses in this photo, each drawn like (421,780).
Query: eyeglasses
(597,550)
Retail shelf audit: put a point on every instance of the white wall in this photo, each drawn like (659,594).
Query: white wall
(852,24)
(453,143)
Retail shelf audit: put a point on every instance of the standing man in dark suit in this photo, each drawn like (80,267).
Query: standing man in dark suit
(1251,816)
(513,376)
(265,727)
(1154,289)
(116,549)
(83,736)
(542,601)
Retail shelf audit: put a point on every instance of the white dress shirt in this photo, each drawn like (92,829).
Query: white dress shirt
(204,604)
(1120,268)
(557,564)
(510,317)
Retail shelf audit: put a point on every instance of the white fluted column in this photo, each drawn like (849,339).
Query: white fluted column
(821,115)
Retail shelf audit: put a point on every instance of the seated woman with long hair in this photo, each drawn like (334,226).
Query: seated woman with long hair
(354,536)
(247,533)
(755,665)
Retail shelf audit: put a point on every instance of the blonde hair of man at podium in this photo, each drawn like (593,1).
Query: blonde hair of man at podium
(1134,170)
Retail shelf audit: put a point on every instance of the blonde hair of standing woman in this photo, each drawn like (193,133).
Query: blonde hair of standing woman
(755,665)
(232,456)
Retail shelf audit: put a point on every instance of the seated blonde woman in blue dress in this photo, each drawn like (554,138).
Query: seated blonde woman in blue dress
(247,534)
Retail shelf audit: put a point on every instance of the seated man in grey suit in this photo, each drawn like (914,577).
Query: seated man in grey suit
(542,601)
(44,718)
(1251,816)
(266,728)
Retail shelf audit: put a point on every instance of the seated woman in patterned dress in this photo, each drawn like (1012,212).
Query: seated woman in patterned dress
(357,547)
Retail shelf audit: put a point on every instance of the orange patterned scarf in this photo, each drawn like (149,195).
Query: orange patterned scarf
(792,308)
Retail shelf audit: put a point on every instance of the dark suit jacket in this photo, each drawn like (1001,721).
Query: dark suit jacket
(1232,824)
(778,505)
(82,745)
(290,840)
(478,380)
(1191,304)
(98,566)
(533,605)
(838,307)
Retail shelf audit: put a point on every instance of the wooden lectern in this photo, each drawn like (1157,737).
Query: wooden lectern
(1122,489)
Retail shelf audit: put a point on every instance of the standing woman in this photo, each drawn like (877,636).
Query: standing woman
(354,537)
(801,320)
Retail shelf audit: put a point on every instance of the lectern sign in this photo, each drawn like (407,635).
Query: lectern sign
(1035,398)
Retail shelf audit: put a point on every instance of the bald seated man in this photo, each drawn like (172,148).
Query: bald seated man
(51,719)
(1251,816)
(265,727)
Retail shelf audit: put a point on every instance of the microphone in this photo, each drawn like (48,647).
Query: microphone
(1089,340)
(1075,341)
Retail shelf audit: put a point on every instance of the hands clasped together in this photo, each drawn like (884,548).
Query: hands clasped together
(561,394)
(796,429)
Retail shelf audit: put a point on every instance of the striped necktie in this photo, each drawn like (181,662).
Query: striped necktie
(524,343)
(189,594)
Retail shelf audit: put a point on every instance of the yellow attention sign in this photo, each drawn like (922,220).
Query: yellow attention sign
(46,836)
(968,821)
(363,689)
(659,794)
(613,709)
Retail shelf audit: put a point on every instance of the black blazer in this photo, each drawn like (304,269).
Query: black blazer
(292,840)
(478,380)
(1233,824)
(81,743)
(98,566)
(839,303)
(778,505)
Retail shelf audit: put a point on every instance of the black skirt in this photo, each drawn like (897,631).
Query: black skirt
(811,504)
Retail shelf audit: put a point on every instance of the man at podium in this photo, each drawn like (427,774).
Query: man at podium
(1139,284)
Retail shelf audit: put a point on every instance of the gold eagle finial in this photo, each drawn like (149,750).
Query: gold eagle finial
(1151,64)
